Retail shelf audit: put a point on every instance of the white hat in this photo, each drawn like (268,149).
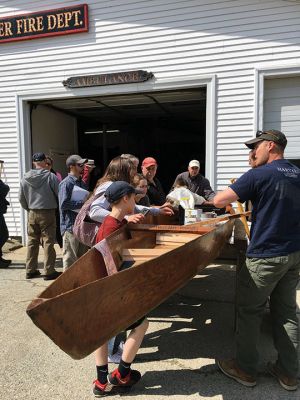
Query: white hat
(194,163)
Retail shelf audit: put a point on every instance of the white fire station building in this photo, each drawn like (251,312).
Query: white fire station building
(172,79)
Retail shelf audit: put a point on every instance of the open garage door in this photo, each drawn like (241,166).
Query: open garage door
(168,125)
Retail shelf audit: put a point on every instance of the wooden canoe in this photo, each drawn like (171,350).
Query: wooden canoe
(85,306)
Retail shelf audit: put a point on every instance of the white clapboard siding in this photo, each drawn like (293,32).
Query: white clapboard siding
(282,109)
(173,39)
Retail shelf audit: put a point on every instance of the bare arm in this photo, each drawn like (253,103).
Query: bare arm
(224,198)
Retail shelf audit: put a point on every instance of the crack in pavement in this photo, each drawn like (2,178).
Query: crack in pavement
(34,284)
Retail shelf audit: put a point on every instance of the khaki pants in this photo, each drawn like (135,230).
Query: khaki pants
(72,250)
(259,279)
(41,225)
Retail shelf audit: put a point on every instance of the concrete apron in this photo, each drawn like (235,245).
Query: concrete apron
(186,334)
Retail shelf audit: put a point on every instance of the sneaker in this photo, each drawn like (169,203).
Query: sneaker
(4,263)
(286,382)
(34,274)
(232,370)
(100,389)
(115,379)
(52,276)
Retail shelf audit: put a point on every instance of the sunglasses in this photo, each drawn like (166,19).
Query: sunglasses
(259,133)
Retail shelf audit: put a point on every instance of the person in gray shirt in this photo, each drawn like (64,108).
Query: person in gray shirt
(38,196)
(196,182)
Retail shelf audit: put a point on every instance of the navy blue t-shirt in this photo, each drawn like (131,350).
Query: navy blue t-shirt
(274,190)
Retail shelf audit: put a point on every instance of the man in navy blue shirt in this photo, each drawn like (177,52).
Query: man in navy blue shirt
(72,248)
(273,260)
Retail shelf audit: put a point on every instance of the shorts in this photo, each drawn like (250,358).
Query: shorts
(136,324)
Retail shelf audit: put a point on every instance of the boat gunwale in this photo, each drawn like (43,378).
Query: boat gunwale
(215,222)
(43,299)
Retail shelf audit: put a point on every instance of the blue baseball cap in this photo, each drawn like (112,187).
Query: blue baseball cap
(119,189)
(38,157)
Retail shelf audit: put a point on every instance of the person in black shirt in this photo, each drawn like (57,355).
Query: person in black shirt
(196,182)
(155,192)
(4,189)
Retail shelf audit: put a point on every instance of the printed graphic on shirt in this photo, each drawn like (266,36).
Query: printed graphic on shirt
(289,172)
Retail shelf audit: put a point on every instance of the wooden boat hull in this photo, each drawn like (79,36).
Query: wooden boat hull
(84,308)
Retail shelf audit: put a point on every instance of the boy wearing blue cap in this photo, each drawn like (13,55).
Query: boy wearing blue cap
(121,196)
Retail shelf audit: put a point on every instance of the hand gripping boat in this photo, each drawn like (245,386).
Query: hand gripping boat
(97,298)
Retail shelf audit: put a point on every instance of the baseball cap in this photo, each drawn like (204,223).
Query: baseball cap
(194,163)
(38,157)
(271,135)
(148,161)
(118,189)
(75,159)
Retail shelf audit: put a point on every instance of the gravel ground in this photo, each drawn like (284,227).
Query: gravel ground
(177,356)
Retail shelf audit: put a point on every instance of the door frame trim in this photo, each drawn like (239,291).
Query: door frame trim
(23,100)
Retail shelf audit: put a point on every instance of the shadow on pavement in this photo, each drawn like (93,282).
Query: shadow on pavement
(208,382)
(203,329)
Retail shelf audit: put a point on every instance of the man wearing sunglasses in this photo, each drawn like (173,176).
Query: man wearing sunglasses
(72,248)
(272,265)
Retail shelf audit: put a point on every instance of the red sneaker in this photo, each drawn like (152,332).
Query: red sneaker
(100,389)
(115,379)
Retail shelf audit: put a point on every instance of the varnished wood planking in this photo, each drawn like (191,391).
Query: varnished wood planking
(133,292)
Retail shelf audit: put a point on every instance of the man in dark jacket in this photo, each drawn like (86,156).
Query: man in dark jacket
(196,182)
(38,195)
(155,192)
(4,189)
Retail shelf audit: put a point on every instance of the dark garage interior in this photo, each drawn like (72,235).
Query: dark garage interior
(167,125)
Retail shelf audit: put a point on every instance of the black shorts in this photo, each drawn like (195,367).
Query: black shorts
(136,324)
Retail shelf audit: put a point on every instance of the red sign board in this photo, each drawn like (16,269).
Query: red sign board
(62,21)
